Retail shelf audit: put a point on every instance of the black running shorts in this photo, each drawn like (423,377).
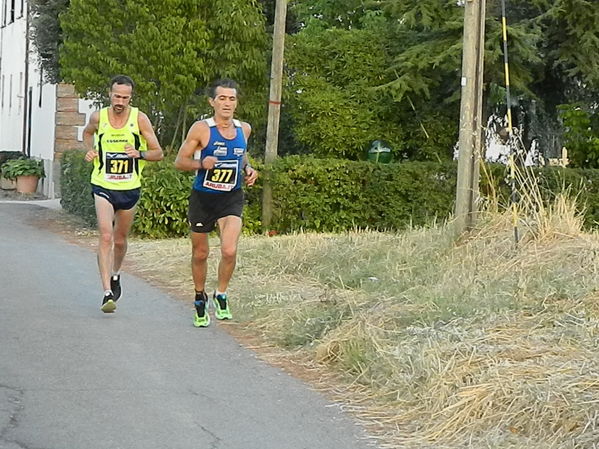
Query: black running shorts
(120,199)
(206,208)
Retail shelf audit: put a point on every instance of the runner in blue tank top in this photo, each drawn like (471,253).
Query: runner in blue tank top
(216,149)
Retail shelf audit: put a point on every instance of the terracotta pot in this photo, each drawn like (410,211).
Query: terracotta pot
(27,184)
(7,184)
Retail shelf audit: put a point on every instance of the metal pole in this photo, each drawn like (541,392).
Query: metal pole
(26,149)
(274,107)
(508,99)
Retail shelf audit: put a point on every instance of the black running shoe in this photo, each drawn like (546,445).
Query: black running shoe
(115,286)
(108,303)
(201,318)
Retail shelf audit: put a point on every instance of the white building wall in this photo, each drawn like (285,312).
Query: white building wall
(32,129)
(12,75)
(42,121)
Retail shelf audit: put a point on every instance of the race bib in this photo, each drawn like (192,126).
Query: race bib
(119,167)
(223,177)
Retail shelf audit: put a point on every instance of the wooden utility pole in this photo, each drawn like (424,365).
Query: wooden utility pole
(274,107)
(470,140)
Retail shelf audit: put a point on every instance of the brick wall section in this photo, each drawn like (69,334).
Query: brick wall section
(68,118)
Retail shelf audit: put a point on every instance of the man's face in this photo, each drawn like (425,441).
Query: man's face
(120,96)
(224,102)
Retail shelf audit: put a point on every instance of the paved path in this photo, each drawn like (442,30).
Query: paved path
(72,377)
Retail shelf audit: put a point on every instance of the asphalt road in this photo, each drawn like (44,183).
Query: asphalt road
(72,377)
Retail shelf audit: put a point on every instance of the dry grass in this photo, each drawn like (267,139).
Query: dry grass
(431,344)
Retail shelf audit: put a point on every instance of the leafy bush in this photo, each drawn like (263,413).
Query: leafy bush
(14,168)
(326,195)
(76,193)
(8,155)
(335,195)
(162,209)
(581,135)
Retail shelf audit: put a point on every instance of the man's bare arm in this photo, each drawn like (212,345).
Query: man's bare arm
(251,174)
(154,152)
(197,139)
(88,136)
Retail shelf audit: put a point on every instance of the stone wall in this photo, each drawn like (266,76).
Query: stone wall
(68,118)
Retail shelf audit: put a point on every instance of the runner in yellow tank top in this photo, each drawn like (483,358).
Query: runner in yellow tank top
(118,139)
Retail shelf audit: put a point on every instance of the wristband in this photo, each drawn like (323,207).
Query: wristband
(141,155)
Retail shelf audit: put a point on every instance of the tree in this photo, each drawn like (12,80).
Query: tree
(339,92)
(551,52)
(46,34)
(172,49)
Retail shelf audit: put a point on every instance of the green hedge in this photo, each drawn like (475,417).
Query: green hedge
(162,209)
(325,195)
(75,189)
(336,195)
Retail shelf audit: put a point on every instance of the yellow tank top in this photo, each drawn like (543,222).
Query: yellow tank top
(113,169)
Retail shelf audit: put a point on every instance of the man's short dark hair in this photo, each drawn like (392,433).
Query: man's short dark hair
(223,82)
(122,79)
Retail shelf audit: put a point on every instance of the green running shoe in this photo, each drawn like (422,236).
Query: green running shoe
(108,304)
(221,307)
(201,319)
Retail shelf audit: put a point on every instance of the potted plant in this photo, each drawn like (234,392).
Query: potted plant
(7,184)
(26,172)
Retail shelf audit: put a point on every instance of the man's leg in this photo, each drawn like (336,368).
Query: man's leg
(105,217)
(199,259)
(199,268)
(229,230)
(122,225)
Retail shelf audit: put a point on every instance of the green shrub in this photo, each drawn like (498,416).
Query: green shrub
(8,155)
(14,168)
(76,193)
(581,134)
(162,209)
(335,195)
(326,195)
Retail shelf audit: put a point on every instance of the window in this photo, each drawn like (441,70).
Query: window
(4,3)
(22,9)
(10,93)
(41,86)
(9,11)
(19,94)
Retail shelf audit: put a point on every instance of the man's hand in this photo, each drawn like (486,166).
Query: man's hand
(209,162)
(132,152)
(91,155)
(250,176)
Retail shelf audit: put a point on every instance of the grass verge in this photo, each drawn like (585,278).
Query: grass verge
(431,343)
